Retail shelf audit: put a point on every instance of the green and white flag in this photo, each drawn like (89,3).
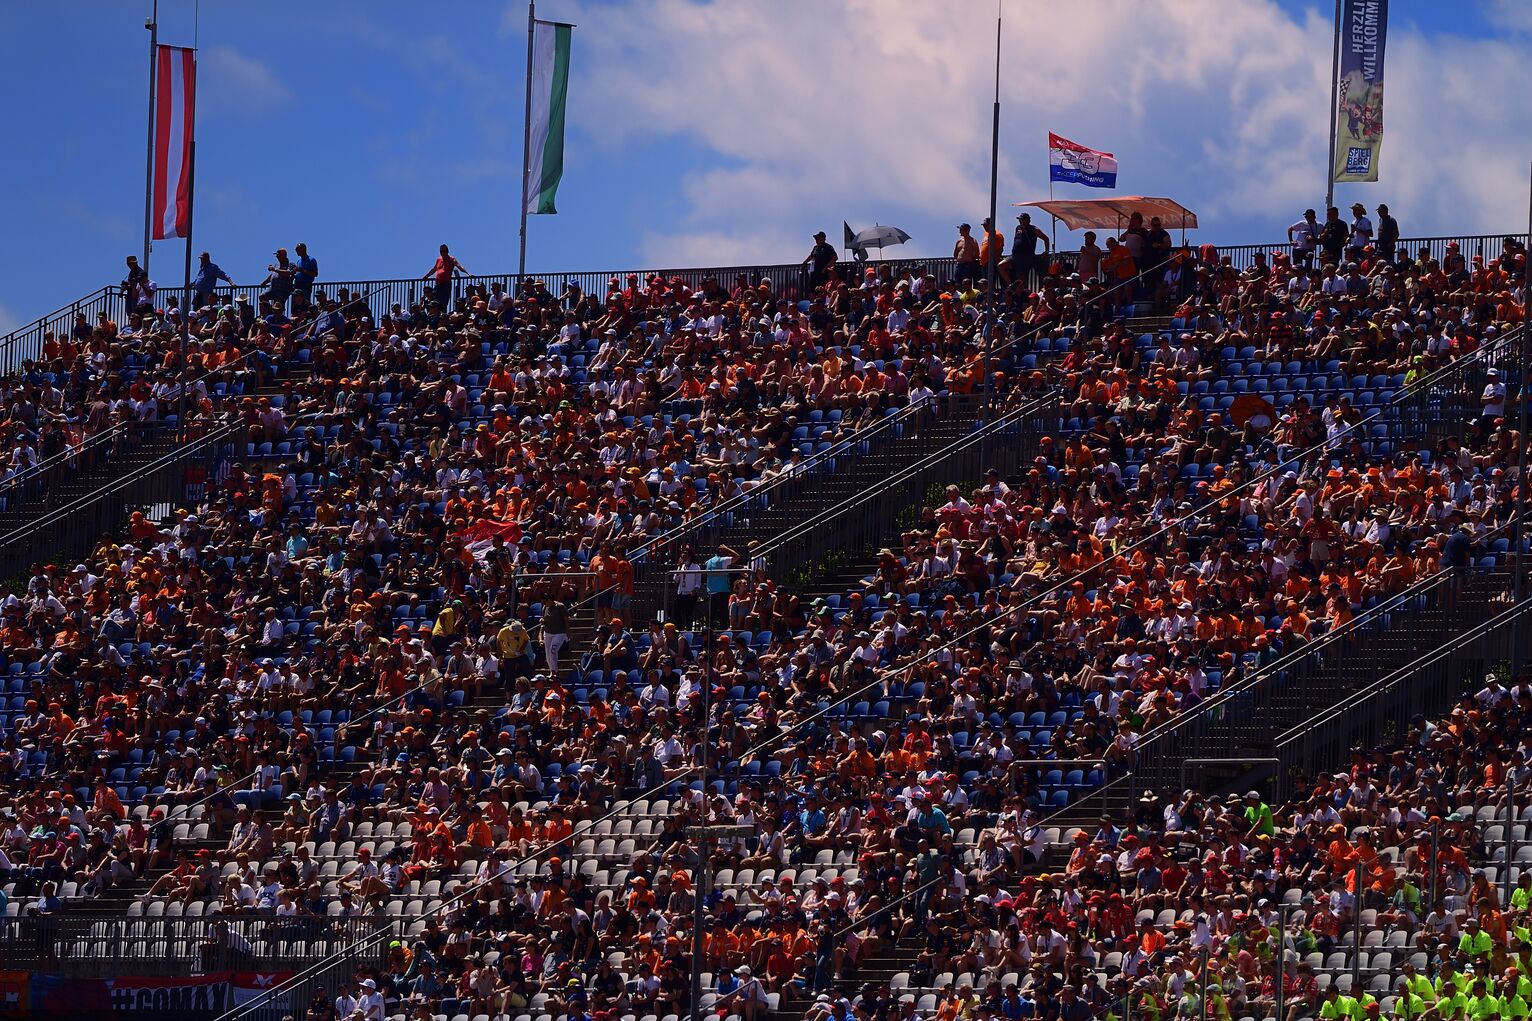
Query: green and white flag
(550,93)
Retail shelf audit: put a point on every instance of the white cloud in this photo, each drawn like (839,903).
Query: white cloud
(8,321)
(880,109)
(236,84)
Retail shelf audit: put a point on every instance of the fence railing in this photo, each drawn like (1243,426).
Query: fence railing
(806,489)
(1242,720)
(179,477)
(846,530)
(25,343)
(1244,715)
(71,463)
(93,946)
(1380,713)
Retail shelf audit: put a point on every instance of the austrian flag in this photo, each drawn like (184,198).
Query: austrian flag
(175,89)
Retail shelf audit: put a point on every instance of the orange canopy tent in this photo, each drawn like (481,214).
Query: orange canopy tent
(1113,214)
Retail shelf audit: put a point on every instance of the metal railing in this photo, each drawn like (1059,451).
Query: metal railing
(1243,715)
(804,489)
(785,279)
(92,946)
(848,530)
(1248,715)
(179,477)
(1380,712)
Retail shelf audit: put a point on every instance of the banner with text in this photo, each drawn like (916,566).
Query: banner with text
(164,996)
(1363,30)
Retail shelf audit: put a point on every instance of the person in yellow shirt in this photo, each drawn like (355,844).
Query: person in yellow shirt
(1513,1005)
(448,623)
(1483,1005)
(1407,1005)
(512,640)
(1417,984)
(1358,1006)
(1521,897)
(1451,1005)
(1475,942)
(1333,1006)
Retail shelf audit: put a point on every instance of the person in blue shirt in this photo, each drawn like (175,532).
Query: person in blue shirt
(719,580)
(811,824)
(305,274)
(206,280)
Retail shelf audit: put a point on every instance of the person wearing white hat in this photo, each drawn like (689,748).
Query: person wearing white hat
(1493,398)
(370,1001)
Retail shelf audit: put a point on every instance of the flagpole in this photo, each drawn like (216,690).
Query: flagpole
(1334,108)
(1053,227)
(153,25)
(994,234)
(526,142)
(186,298)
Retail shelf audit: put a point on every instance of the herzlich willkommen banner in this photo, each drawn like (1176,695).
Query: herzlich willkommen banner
(1359,92)
(1074,163)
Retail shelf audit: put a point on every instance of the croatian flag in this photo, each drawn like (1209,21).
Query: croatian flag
(174,111)
(1071,161)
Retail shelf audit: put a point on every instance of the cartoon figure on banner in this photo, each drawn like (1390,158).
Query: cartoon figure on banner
(1362,106)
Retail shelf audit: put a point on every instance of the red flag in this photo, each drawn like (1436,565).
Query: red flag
(174,111)
(479,537)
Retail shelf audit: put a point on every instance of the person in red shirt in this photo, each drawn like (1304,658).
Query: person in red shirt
(441,276)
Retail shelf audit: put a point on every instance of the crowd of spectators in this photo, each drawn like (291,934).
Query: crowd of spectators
(343,682)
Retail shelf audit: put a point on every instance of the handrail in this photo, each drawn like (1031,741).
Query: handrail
(68,460)
(110,299)
(675,535)
(1291,658)
(218,433)
(1355,699)
(760,494)
(911,470)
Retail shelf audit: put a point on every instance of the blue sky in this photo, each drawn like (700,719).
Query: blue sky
(720,132)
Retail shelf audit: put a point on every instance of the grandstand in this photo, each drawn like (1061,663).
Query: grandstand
(1092,651)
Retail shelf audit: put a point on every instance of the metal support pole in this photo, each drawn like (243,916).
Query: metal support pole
(154,41)
(1334,109)
(1205,984)
(1510,834)
(1356,928)
(993,260)
(1521,455)
(526,143)
(1436,832)
(186,298)
(1280,962)
(703,849)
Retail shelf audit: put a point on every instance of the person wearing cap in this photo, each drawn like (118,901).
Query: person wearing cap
(991,246)
(1492,400)
(279,281)
(1361,227)
(1029,253)
(820,261)
(965,255)
(1258,817)
(205,282)
(370,1001)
